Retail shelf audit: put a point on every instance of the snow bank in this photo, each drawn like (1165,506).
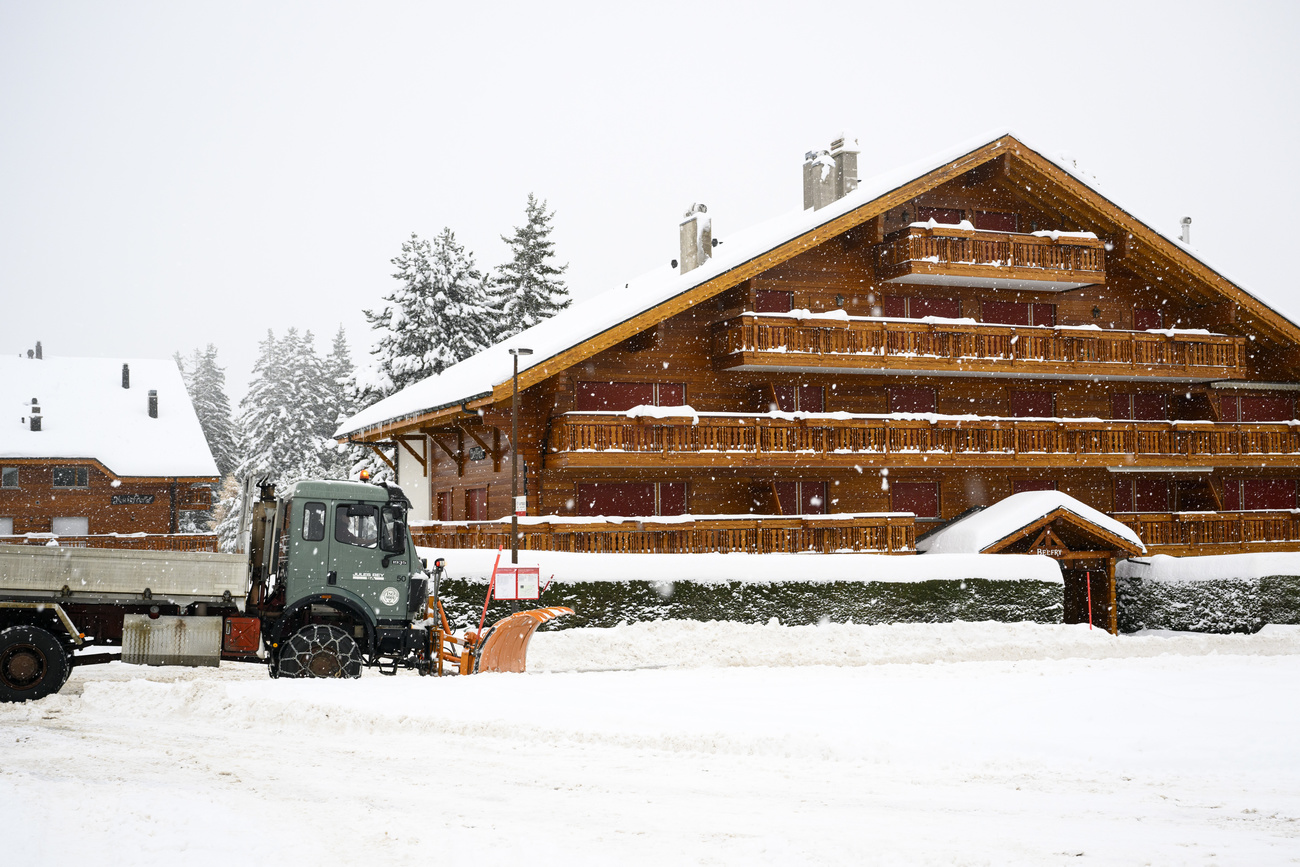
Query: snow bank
(978,531)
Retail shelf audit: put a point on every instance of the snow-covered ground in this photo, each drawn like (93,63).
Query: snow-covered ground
(684,743)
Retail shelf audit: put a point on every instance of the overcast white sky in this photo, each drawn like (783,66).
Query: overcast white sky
(173,174)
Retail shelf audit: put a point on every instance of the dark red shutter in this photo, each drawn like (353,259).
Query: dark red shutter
(1033,404)
(1149,407)
(626,499)
(946,308)
(1267,409)
(773,301)
(476,504)
(1145,318)
(1004,312)
(672,498)
(1232,495)
(895,307)
(811,398)
(1151,495)
(1019,486)
(1268,494)
(614,396)
(444,505)
(785,398)
(1121,406)
(1230,408)
(911,400)
(1123,495)
(951,216)
(672,394)
(992,221)
(788,494)
(812,498)
(919,498)
(1044,314)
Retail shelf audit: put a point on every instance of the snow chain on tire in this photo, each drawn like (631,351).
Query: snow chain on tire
(317,650)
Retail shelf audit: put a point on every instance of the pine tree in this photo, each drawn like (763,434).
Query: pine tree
(440,314)
(528,288)
(205,381)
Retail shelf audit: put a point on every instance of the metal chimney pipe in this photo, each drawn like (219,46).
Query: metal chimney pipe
(38,350)
(126,376)
(153,403)
(35,416)
(1186,236)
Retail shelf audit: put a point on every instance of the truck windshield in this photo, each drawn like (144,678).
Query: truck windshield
(357,524)
(392,530)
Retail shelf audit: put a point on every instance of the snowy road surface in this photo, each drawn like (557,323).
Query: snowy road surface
(697,743)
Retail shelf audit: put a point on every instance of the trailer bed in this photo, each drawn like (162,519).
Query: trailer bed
(27,571)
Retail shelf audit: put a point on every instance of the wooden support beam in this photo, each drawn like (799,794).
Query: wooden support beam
(496,447)
(776,498)
(422,460)
(374,447)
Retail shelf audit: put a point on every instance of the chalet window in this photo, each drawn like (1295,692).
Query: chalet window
(71,477)
(802,498)
(622,396)
(911,400)
(800,398)
(1145,318)
(950,216)
(992,221)
(356,524)
(1019,486)
(632,499)
(1139,407)
(444,505)
(6,526)
(902,307)
(1033,404)
(476,504)
(919,498)
(1143,495)
(1259,494)
(71,526)
(313,522)
(1258,409)
(773,301)
(1017,313)
(9,477)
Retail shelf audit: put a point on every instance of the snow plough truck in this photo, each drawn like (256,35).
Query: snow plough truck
(326,583)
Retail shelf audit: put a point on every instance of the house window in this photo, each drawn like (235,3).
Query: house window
(6,526)
(1138,407)
(622,396)
(773,301)
(444,505)
(919,498)
(9,477)
(1258,409)
(1143,495)
(71,477)
(993,221)
(1259,494)
(800,398)
(1033,404)
(911,400)
(950,216)
(476,504)
(1017,313)
(631,499)
(903,307)
(801,498)
(1020,486)
(71,526)
(1145,318)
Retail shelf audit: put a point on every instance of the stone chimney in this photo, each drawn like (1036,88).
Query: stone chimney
(696,233)
(829,175)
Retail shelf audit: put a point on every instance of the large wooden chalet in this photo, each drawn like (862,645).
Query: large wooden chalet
(906,348)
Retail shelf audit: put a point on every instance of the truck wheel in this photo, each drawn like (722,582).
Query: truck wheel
(32,664)
(317,650)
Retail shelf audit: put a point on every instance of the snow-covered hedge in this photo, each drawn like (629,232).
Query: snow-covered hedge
(1225,593)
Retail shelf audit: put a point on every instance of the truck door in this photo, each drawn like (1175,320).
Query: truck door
(367,561)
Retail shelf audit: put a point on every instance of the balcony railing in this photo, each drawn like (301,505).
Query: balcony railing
(1190,533)
(840,439)
(134,541)
(820,342)
(890,533)
(952,255)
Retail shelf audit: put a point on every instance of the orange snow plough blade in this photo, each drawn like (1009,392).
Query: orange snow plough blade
(506,648)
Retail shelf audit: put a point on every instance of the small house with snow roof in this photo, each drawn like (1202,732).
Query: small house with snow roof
(905,349)
(94,447)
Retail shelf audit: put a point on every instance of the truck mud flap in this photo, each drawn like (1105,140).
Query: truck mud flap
(506,648)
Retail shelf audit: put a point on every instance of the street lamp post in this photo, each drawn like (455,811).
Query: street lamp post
(514,459)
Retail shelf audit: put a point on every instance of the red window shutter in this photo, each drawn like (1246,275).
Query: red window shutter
(476,504)
(1033,404)
(811,398)
(919,498)
(1232,495)
(444,505)
(613,396)
(946,308)
(672,498)
(1151,495)
(1145,318)
(1230,408)
(785,397)
(1004,312)
(1124,495)
(788,494)
(1044,314)
(895,307)
(1149,407)
(911,400)
(1268,494)
(992,221)
(951,216)
(1019,486)
(1121,406)
(812,498)
(625,499)
(672,394)
(773,301)
(1266,409)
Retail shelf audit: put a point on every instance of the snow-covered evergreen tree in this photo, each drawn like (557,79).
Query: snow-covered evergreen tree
(205,380)
(440,313)
(528,288)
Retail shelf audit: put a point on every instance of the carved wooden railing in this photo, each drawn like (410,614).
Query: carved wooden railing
(135,542)
(921,247)
(198,498)
(890,343)
(753,534)
(614,439)
(1214,532)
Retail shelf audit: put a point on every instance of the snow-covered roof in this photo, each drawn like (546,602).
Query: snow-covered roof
(476,376)
(85,413)
(977,531)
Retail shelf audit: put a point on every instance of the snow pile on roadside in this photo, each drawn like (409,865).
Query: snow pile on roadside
(1219,567)
(754,568)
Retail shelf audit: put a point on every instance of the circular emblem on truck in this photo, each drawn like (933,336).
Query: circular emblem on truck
(389,596)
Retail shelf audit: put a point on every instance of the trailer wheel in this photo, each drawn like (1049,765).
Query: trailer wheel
(317,650)
(32,664)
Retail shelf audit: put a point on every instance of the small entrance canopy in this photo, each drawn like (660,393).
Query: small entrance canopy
(1035,522)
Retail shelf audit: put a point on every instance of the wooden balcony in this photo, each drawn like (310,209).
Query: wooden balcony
(724,534)
(948,255)
(195,498)
(826,440)
(133,541)
(1184,534)
(754,341)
